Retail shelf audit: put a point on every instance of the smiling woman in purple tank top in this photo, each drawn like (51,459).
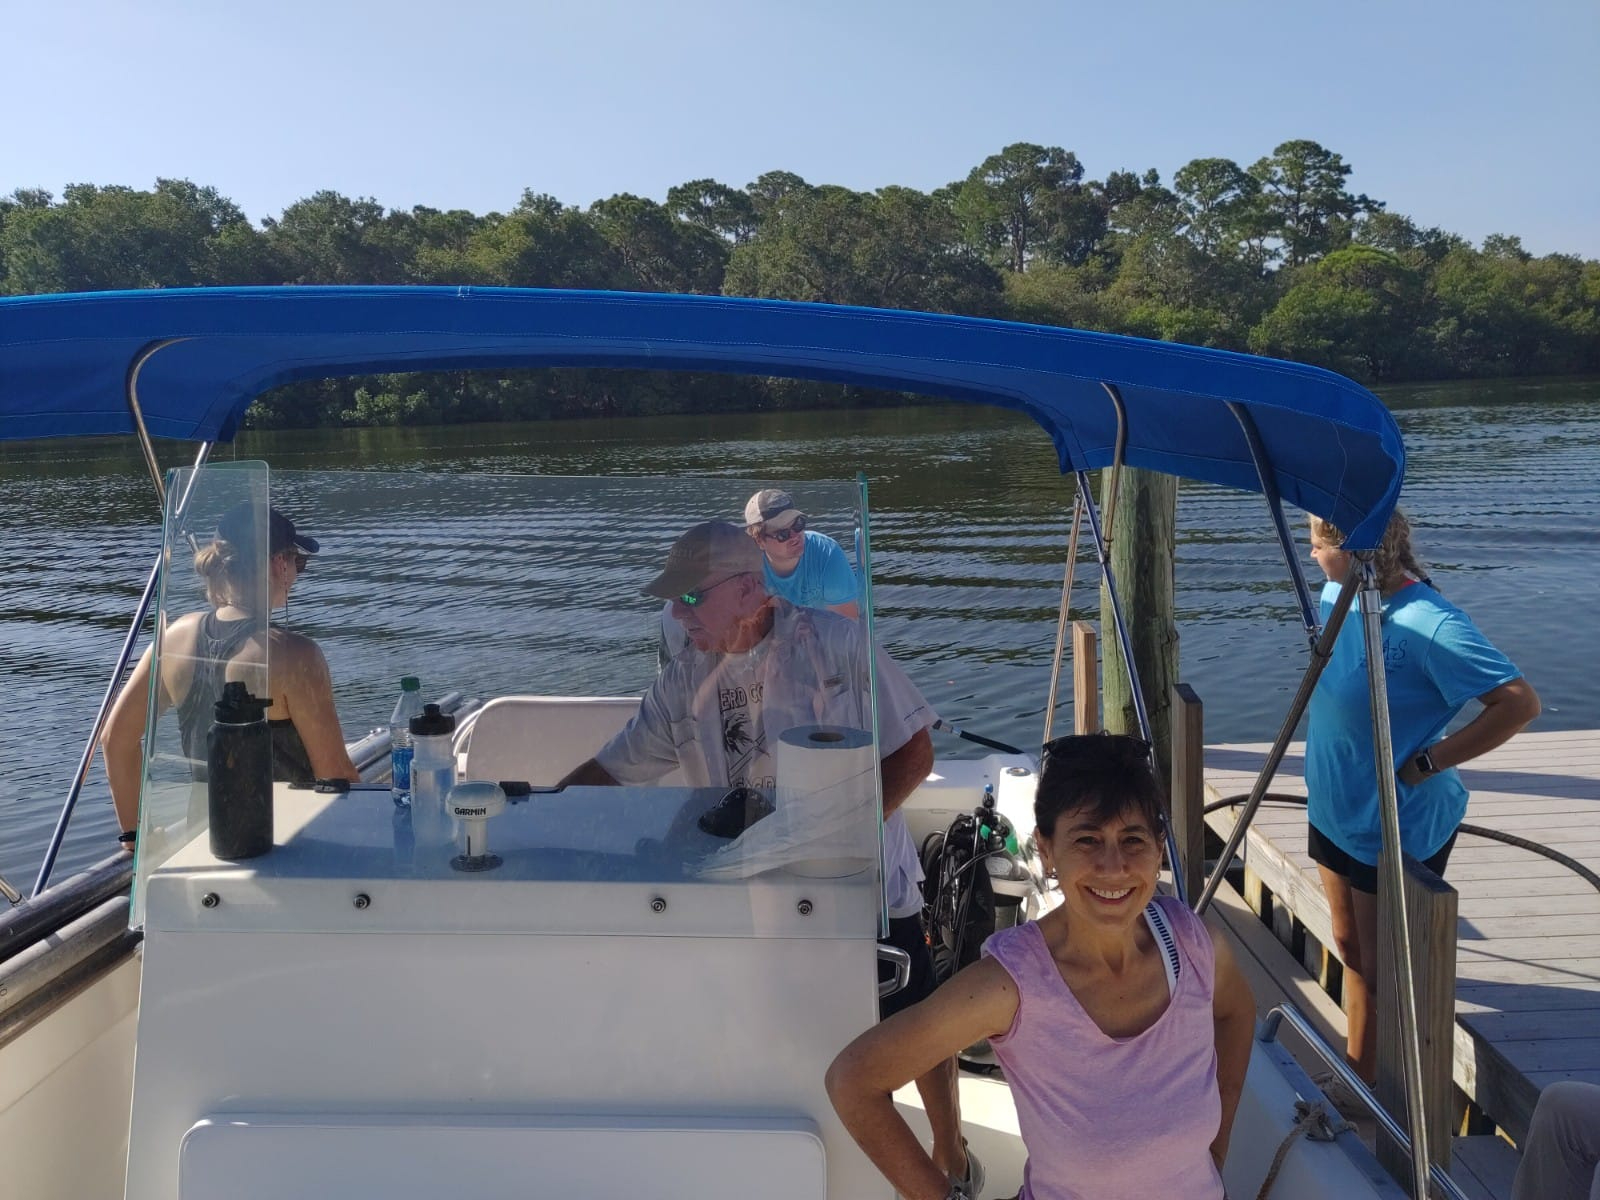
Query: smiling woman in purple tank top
(1122,1022)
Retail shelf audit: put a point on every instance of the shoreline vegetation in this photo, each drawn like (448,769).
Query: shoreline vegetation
(1278,258)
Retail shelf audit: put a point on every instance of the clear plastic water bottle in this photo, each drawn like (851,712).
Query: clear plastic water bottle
(409,705)
(433,774)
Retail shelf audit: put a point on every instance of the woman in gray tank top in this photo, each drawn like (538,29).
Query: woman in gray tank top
(203,650)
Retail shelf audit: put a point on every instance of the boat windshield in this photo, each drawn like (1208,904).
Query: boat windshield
(747,779)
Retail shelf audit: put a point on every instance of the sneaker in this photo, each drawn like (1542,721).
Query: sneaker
(971,1183)
(1342,1096)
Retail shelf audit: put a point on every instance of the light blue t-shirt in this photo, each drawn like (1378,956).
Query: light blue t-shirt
(821,578)
(1435,661)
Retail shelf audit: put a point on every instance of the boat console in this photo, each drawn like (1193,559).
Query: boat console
(349,999)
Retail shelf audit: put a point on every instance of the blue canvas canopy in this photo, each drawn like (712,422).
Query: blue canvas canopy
(201,355)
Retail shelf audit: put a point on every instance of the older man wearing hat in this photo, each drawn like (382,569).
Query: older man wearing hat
(758,665)
(803,566)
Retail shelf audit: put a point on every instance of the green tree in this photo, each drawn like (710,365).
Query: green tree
(1311,210)
(1354,311)
(897,248)
(1015,201)
(542,243)
(659,253)
(332,239)
(176,235)
(770,192)
(1223,212)
(716,208)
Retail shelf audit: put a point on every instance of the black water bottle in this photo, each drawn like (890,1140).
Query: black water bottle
(239,770)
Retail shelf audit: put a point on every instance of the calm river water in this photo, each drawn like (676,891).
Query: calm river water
(969,532)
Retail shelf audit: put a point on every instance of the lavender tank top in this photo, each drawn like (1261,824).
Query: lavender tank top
(1112,1118)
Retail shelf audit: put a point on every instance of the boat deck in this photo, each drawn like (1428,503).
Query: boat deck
(1528,957)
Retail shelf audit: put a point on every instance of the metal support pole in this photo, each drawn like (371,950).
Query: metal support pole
(131,394)
(1117,451)
(1269,489)
(1063,619)
(1321,652)
(1086,499)
(112,688)
(1389,863)
(9,892)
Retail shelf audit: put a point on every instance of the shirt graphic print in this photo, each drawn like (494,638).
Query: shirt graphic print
(744,739)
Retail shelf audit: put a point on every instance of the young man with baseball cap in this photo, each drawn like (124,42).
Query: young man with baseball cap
(803,566)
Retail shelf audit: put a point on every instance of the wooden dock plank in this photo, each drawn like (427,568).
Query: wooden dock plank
(1528,959)
(1484,1165)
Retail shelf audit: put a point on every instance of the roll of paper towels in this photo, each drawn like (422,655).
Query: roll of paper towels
(825,821)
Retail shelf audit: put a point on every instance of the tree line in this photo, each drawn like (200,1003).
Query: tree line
(1277,258)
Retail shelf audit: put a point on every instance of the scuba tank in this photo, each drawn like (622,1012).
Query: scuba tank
(973,885)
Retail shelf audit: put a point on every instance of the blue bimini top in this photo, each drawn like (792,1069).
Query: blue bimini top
(195,358)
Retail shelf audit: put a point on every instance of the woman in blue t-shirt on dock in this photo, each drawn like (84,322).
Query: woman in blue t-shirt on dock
(804,567)
(1435,662)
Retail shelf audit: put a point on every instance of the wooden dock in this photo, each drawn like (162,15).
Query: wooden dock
(1528,959)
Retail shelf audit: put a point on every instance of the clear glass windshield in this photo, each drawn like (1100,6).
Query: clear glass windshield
(211,628)
(663,702)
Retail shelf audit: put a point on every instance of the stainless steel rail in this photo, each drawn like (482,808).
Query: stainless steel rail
(1321,651)
(1391,866)
(46,974)
(1267,1032)
(1062,618)
(112,687)
(71,898)
(1269,489)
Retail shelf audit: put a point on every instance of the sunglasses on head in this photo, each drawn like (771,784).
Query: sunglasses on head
(1083,745)
(695,597)
(783,535)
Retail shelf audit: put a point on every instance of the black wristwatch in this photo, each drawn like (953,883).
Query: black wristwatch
(1422,761)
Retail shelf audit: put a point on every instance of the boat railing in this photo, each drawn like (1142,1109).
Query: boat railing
(52,944)
(1267,1032)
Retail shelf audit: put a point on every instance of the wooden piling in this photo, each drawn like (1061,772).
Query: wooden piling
(1431,905)
(1085,678)
(1187,809)
(1143,536)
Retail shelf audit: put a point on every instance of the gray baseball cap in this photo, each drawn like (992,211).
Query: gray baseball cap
(704,555)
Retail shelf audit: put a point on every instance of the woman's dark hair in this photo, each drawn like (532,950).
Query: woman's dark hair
(1099,775)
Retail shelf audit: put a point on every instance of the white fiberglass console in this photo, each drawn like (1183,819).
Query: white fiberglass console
(348,1012)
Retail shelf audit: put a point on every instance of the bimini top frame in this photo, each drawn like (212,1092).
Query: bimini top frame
(1330,446)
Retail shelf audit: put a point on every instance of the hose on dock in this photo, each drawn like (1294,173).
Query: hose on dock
(1494,835)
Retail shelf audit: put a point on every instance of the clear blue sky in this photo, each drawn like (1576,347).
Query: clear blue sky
(1473,116)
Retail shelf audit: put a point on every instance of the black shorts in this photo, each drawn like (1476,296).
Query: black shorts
(1362,877)
(906,933)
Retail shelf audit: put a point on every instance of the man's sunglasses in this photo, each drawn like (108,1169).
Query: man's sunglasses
(783,535)
(693,598)
(301,561)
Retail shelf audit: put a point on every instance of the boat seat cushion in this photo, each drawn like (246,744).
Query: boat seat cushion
(540,738)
